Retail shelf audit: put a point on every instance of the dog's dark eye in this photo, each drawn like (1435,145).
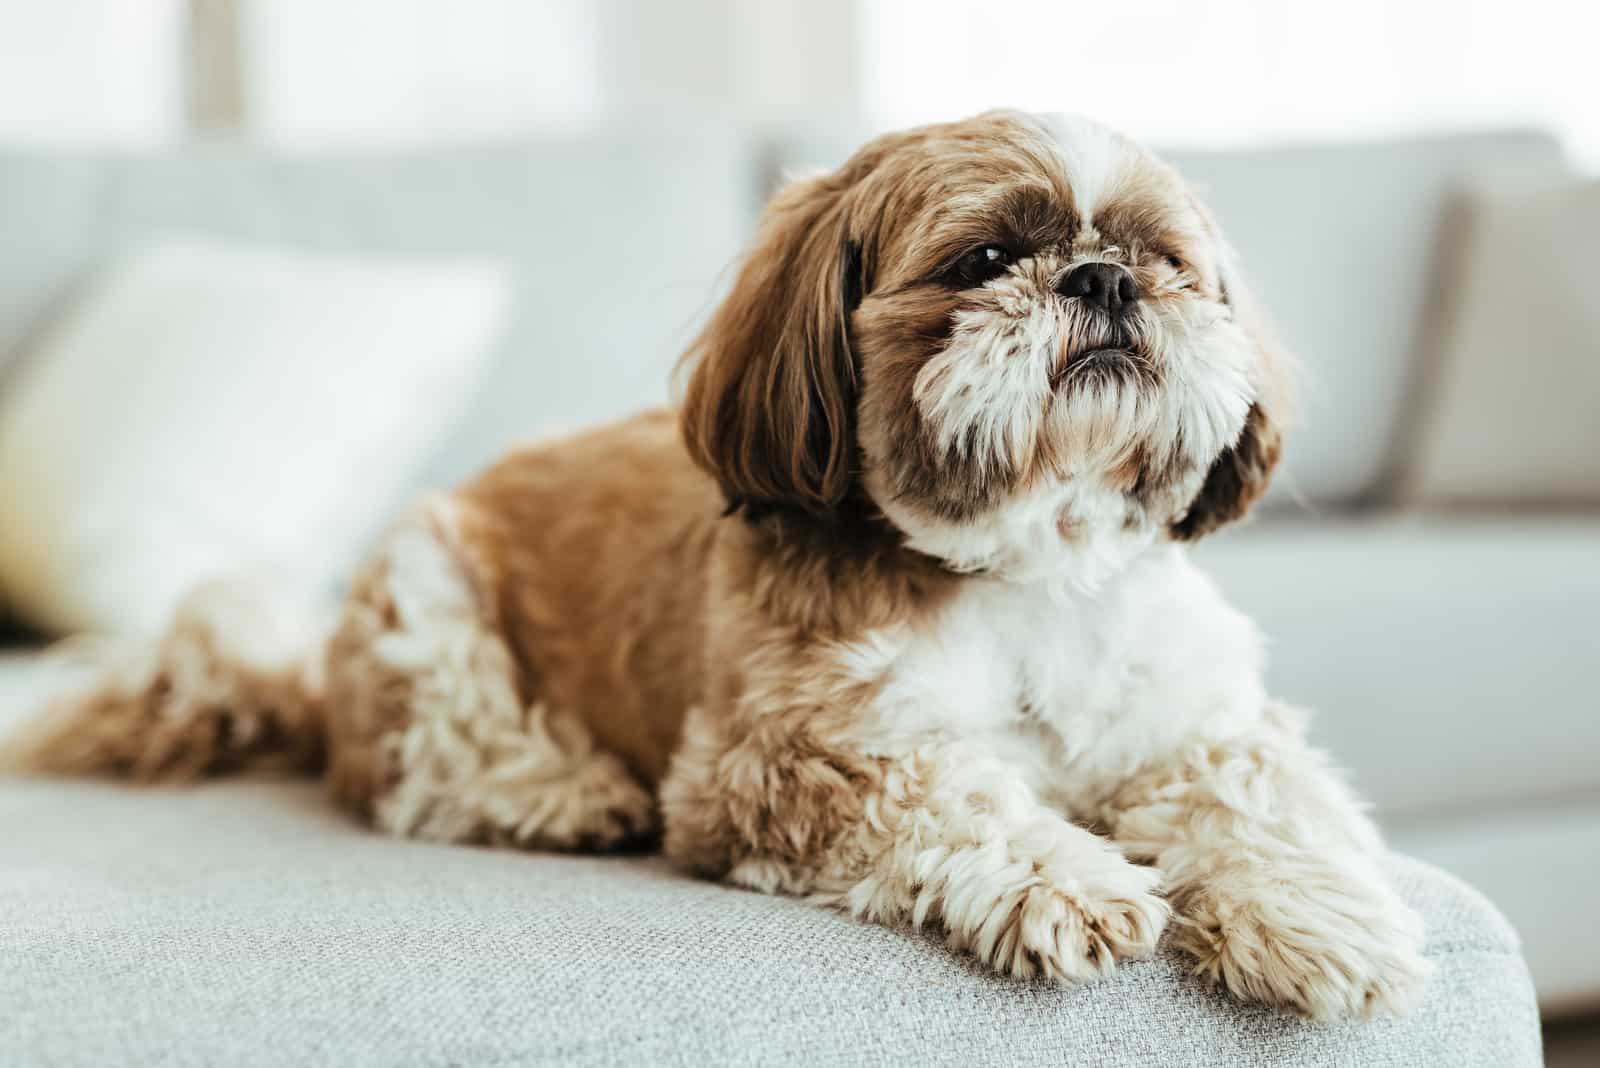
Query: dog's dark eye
(1175,262)
(981,264)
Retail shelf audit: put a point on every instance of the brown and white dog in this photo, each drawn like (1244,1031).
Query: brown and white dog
(894,612)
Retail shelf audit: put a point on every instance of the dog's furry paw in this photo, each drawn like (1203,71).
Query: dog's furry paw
(1330,944)
(1066,928)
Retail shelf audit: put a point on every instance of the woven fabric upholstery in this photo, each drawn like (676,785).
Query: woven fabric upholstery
(249,924)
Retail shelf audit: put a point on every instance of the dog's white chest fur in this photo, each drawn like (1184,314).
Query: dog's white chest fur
(1076,688)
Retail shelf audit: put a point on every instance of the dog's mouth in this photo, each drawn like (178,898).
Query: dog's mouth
(1104,358)
(1098,363)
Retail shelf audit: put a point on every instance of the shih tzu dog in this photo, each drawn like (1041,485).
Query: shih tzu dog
(893,612)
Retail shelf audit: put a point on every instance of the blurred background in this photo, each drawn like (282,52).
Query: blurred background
(268,267)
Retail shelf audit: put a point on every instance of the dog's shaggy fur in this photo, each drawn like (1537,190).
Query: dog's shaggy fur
(894,612)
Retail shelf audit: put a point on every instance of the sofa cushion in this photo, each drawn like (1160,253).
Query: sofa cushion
(1539,863)
(31,675)
(1513,360)
(247,923)
(1338,242)
(209,405)
(1448,663)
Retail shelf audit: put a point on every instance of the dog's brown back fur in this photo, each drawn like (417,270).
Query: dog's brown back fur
(596,548)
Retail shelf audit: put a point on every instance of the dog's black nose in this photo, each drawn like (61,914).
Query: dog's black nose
(1105,285)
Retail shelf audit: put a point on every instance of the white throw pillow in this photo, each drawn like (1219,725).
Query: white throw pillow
(210,406)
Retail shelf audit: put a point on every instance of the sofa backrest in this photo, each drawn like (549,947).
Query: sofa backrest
(619,240)
(616,242)
(1338,241)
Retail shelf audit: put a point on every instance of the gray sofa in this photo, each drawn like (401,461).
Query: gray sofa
(248,924)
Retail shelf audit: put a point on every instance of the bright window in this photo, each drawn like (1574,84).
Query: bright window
(1173,71)
(1182,71)
(103,70)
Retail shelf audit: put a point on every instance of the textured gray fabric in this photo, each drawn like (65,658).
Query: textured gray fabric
(247,924)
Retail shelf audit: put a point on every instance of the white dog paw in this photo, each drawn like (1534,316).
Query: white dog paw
(1327,944)
(1069,929)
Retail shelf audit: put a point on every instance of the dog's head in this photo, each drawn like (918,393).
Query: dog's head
(1005,333)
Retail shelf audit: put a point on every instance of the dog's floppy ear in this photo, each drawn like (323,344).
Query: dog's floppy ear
(1239,476)
(769,406)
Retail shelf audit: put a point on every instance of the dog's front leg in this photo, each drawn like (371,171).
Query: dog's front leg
(1273,871)
(945,835)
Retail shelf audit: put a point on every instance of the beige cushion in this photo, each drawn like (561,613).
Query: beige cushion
(1511,404)
(208,405)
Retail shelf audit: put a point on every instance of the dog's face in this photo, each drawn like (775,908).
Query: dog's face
(1005,333)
